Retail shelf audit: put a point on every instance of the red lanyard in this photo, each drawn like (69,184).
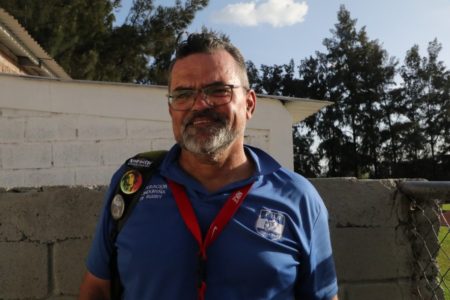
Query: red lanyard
(223,217)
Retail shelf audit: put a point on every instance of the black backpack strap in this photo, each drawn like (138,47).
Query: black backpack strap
(124,200)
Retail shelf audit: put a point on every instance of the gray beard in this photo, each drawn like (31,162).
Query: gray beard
(217,139)
(209,140)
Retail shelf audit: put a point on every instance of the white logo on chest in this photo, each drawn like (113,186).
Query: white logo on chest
(270,224)
(154,191)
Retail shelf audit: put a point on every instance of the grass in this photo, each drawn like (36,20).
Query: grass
(444,261)
(446,207)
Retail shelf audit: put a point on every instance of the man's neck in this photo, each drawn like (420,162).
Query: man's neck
(218,170)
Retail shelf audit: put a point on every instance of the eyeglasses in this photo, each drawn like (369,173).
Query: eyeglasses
(214,95)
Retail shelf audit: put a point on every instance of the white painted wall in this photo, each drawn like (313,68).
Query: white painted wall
(56,132)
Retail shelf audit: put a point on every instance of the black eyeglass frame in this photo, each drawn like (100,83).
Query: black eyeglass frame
(196,92)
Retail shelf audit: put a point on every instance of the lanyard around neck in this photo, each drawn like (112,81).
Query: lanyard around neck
(223,217)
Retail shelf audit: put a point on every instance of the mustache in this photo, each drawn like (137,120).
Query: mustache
(206,113)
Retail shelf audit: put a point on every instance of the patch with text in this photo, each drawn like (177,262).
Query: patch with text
(154,191)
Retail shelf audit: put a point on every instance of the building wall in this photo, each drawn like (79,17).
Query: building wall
(45,234)
(77,133)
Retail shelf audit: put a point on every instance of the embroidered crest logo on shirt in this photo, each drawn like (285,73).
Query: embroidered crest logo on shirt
(270,224)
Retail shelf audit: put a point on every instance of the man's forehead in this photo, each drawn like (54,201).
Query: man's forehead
(218,58)
(201,69)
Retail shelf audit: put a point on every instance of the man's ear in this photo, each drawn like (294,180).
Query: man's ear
(251,103)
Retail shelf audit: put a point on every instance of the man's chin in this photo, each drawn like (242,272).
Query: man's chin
(207,142)
(203,148)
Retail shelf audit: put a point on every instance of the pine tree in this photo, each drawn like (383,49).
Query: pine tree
(355,72)
(426,95)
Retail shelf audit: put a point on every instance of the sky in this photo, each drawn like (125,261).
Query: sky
(274,31)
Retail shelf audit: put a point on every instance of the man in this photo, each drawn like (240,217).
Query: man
(254,229)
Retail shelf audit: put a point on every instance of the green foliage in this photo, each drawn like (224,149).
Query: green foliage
(374,129)
(426,97)
(305,162)
(356,74)
(81,37)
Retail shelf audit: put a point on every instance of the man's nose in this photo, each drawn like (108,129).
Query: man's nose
(200,101)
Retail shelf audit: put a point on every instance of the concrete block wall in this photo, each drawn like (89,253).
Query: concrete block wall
(77,133)
(45,234)
(370,239)
(44,148)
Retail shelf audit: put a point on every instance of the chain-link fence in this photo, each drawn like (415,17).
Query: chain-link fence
(429,230)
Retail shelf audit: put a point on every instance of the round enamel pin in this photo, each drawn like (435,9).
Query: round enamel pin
(131,182)
(117,207)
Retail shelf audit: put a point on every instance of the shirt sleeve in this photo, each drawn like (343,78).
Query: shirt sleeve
(98,260)
(317,276)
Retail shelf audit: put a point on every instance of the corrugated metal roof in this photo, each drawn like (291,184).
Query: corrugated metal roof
(18,41)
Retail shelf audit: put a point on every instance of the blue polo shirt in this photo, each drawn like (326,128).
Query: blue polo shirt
(276,246)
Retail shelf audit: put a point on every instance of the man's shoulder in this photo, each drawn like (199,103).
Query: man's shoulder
(272,170)
(295,181)
(264,163)
(294,176)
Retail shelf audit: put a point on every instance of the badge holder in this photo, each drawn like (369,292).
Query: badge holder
(129,184)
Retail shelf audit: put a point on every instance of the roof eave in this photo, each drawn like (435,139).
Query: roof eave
(299,108)
(16,38)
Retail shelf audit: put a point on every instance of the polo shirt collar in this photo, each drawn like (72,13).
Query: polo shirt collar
(170,168)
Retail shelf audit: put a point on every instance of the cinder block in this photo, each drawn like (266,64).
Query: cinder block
(162,144)
(379,291)
(9,231)
(11,178)
(94,176)
(76,154)
(116,152)
(69,255)
(98,128)
(49,177)
(41,129)
(49,214)
(360,203)
(371,254)
(12,130)
(27,156)
(23,270)
(55,128)
(149,129)
(21,113)
(342,291)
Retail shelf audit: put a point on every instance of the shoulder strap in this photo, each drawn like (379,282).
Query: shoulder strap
(151,161)
(145,164)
